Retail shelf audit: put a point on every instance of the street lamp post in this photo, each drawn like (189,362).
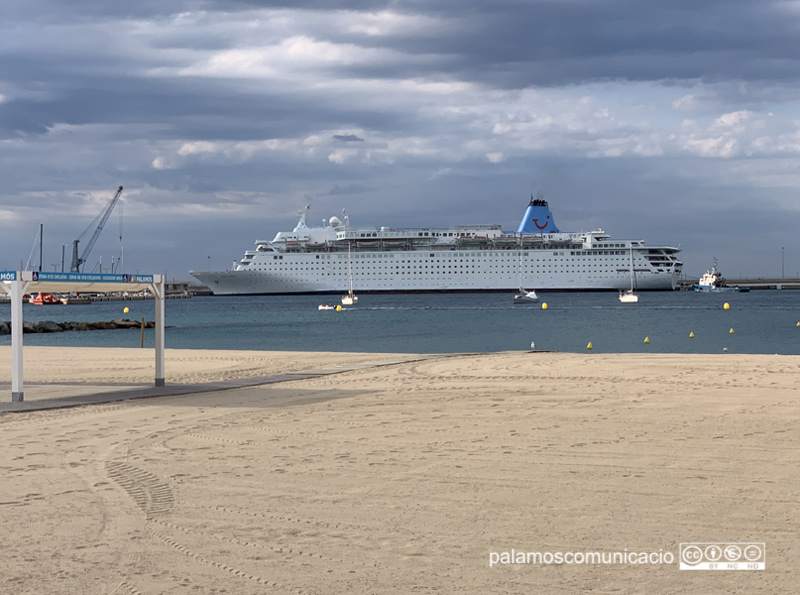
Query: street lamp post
(782,274)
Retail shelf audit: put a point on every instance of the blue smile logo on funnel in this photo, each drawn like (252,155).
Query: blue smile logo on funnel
(537,218)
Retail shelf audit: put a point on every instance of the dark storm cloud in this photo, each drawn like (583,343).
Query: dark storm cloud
(515,44)
(321,5)
(83,10)
(348,138)
(503,44)
(348,190)
(188,109)
(519,44)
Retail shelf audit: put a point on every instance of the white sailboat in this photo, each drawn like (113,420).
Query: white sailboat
(630,297)
(351,298)
(523,296)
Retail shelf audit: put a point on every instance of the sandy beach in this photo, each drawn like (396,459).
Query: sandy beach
(399,478)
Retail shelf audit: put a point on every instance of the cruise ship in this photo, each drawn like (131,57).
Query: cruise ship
(327,258)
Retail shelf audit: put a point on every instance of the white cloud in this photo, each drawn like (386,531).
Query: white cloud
(197,147)
(160,163)
(285,59)
(8,216)
(711,147)
(734,120)
(342,155)
(687,103)
(495,157)
(387,23)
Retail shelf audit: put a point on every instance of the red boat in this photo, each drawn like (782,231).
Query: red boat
(42,299)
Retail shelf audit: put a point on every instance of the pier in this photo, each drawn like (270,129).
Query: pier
(753,284)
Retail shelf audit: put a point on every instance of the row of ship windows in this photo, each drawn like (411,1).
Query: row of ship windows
(449,266)
(592,275)
(509,260)
(420,234)
(510,266)
(599,253)
(479,255)
(372,256)
(460,269)
(483,266)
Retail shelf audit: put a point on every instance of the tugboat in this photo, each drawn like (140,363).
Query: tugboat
(714,282)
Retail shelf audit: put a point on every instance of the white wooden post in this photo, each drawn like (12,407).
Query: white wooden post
(158,290)
(17,388)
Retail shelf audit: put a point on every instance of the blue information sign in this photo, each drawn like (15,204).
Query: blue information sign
(91,277)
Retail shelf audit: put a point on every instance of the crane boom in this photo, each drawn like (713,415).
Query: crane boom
(103,216)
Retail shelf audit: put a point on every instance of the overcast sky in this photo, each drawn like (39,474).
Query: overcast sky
(675,122)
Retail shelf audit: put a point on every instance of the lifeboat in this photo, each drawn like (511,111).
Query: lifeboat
(472,241)
(42,299)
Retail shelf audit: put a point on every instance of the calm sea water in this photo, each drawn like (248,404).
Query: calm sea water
(763,322)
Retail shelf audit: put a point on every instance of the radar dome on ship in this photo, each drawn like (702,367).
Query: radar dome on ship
(334,221)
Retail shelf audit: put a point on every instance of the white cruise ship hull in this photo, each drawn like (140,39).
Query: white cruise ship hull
(461,258)
(482,273)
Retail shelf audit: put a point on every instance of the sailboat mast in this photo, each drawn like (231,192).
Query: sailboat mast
(633,275)
(350,267)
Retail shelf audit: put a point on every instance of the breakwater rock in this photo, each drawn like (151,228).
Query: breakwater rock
(50,326)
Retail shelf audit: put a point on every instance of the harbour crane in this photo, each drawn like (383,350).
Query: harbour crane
(77,261)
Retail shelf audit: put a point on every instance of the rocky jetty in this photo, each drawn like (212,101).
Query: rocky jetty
(50,326)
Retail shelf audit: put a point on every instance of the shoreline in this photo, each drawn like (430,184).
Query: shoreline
(127,365)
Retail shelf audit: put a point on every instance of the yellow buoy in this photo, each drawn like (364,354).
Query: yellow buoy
(338,308)
(798,324)
(589,346)
(126,310)
(691,335)
(647,340)
(727,306)
(730,331)
(544,307)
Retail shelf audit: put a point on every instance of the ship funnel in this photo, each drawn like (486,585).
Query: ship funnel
(538,218)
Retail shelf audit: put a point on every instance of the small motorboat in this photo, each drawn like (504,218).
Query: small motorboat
(76,299)
(326,307)
(523,296)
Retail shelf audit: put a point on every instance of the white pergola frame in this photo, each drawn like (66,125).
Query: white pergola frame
(18,283)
